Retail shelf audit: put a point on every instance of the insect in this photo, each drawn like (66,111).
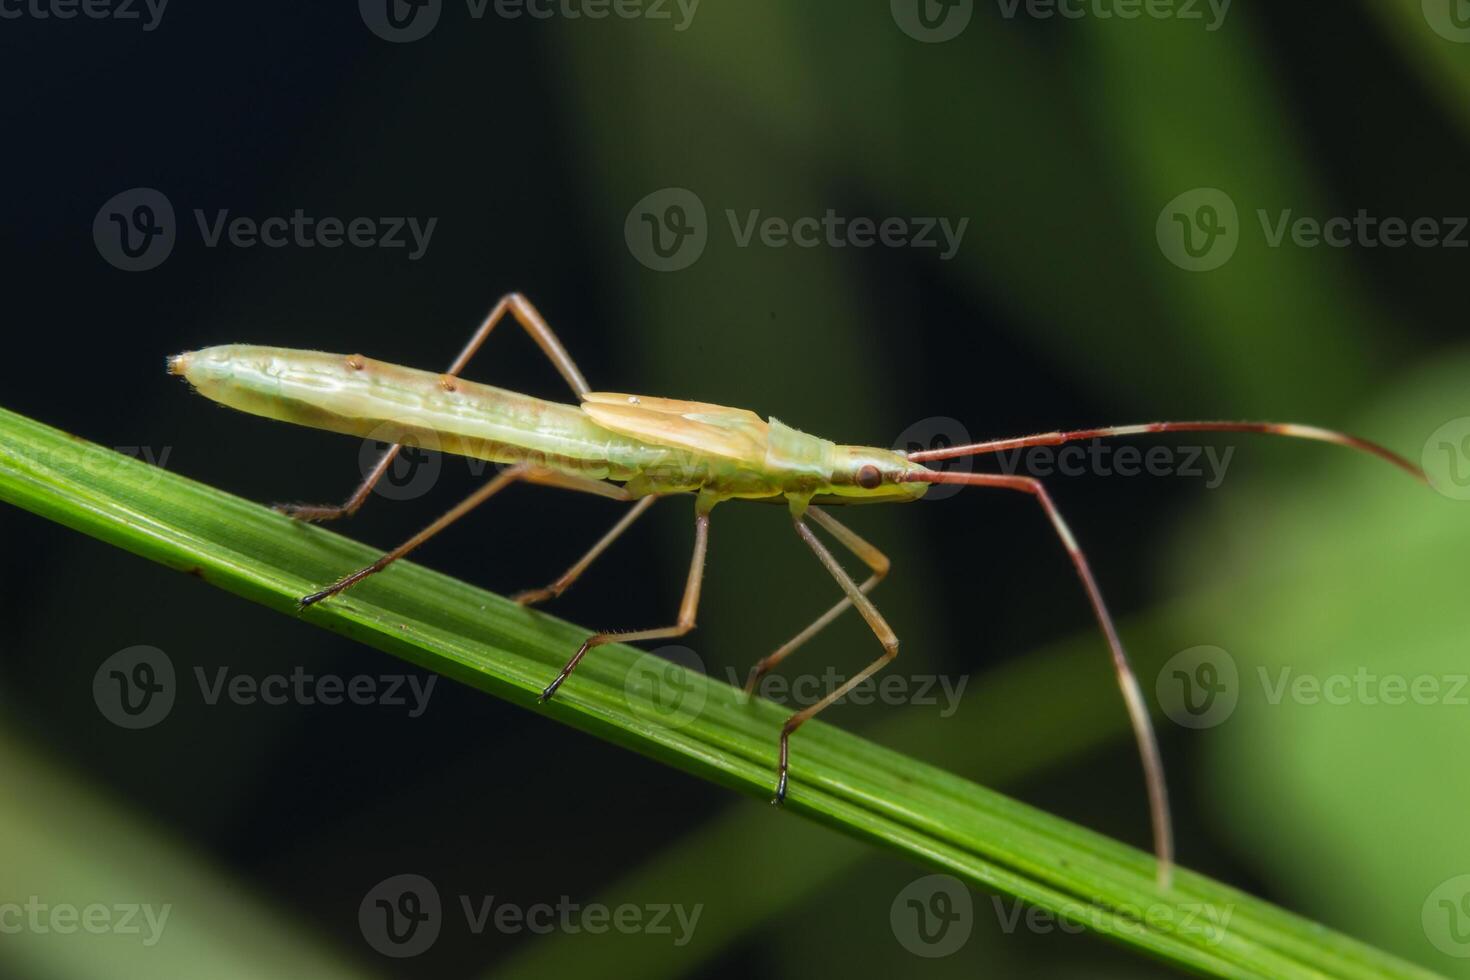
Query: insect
(639,449)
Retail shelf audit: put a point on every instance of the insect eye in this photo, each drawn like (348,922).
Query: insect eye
(868,477)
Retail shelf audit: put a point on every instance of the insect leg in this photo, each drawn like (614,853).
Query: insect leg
(524,472)
(687,609)
(876,561)
(556,588)
(1143,726)
(534,324)
(875,621)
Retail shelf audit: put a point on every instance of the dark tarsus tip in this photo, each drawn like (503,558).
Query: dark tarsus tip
(310,513)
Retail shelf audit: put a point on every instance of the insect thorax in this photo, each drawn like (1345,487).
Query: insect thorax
(799,461)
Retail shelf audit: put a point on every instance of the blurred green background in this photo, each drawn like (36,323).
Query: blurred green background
(1073,147)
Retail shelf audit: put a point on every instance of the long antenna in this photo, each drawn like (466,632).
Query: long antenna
(1138,714)
(1288,429)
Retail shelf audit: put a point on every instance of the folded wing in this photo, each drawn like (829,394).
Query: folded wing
(715,430)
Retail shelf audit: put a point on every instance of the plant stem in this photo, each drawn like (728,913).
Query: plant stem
(621,695)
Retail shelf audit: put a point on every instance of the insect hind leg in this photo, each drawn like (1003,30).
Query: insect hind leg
(532,596)
(532,322)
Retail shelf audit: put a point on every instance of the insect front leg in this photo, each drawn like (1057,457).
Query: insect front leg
(875,621)
(534,324)
(687,609)
(877,563)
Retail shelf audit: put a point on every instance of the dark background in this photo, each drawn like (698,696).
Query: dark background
(529,141)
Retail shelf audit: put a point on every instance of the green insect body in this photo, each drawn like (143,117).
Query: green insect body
(653,446)
(639,448)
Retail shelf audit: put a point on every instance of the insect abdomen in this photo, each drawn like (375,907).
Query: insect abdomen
(358,396)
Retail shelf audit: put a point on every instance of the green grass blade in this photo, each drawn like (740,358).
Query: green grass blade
(60,836)
(840,780)
(746,877)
